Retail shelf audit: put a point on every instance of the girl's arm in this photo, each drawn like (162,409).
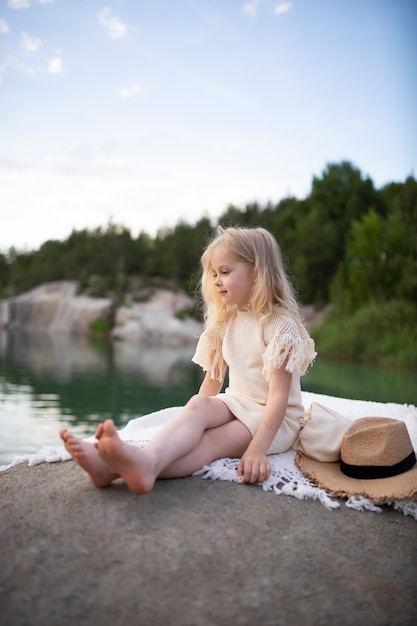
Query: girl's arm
(254,465)
(210,387)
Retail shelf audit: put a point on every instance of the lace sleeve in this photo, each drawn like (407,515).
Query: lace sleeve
(208,354)
(287,342)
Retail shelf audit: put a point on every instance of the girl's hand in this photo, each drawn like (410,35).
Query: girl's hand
(254,467)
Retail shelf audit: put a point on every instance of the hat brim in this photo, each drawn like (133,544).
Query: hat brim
(328,476)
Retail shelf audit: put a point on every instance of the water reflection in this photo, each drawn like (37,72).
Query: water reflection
(47,381)
(157,364)
(62,355)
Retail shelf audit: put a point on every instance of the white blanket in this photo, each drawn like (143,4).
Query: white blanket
(285,477)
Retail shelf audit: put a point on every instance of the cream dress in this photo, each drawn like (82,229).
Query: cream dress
(251,349)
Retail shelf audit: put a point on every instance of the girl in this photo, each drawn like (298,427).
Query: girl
(252,327)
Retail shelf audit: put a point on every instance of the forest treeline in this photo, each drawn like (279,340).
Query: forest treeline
(347,243)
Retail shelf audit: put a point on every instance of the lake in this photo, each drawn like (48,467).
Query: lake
(47,382)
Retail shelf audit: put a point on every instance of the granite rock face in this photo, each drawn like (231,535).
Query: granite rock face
(56,308)
(53,308)
(156,322)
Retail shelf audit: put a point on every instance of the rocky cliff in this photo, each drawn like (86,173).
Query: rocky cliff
(56,308)
(156,321)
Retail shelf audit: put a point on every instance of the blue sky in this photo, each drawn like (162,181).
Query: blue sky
(148,112)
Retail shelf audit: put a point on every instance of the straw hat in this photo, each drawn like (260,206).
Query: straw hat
(377,461)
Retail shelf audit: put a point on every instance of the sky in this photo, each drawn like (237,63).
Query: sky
(148,112)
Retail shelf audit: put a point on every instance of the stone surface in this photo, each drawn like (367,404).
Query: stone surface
(195,553)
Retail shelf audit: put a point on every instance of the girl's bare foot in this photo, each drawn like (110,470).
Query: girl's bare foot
(134,465)
(86,455)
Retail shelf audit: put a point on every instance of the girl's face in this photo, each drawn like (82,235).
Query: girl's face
(233,279)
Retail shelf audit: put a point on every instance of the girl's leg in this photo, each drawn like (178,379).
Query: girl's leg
(179,438)
(230,440)
(87,457)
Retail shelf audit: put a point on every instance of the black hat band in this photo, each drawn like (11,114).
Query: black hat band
(369,472)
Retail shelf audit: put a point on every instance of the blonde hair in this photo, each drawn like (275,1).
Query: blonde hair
(260,250)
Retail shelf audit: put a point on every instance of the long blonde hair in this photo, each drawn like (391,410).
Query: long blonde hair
(260,250)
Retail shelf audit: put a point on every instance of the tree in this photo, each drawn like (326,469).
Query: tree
(401,200)
(339,197)
(380,264)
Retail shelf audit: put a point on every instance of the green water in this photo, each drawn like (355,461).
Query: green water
(49,382)
(361,382)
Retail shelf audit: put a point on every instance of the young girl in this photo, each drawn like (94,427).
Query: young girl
(252,327)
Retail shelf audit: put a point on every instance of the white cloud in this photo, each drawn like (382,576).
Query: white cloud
(114,27)
(55,65)
(4,28)
(251,8)
(25,4)
(128,92)
(283,7)
(29,43)
(18,4)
